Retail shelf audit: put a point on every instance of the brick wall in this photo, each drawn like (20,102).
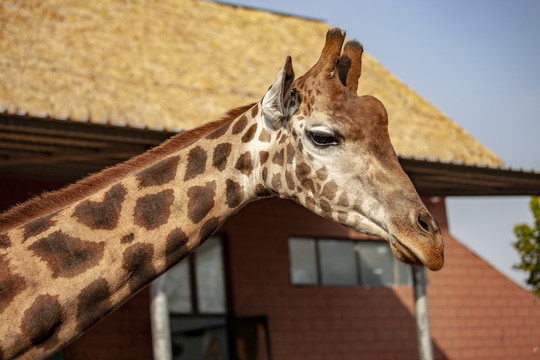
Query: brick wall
(123,335)
(312,322)
(476,312)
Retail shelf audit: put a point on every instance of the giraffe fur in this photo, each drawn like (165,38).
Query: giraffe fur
(69,258)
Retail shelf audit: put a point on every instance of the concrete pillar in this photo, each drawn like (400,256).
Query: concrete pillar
(159,314)
(423,333)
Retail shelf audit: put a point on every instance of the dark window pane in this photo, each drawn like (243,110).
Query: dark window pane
(338,263)
(195,337)
(405,274)
(376,263)
(178,288)
(303,261)
(209,277)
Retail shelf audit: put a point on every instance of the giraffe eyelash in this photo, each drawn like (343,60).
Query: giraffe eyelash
(323,139)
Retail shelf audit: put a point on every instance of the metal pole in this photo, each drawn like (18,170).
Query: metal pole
(425,349)
(159,315)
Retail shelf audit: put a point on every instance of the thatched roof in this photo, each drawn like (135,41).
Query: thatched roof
(179,63)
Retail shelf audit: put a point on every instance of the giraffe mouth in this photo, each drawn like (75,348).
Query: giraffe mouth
(403,253)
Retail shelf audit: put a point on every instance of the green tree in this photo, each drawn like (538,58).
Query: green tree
(528,245)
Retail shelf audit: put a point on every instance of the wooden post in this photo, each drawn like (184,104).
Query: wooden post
(159,315)
(423,334)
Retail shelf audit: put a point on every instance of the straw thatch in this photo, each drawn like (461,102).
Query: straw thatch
(180,63)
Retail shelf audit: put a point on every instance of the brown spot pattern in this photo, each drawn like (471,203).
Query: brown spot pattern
(102,215)
(196,163)
(300,146)
(276,181)
(265,174)
(290,181)
(208,228)
(254,110)
(93,303)
(308,185)
(158,174)
(342,216)
(322,174)
(10,284)
(249,134)
(325,207)
(329,190)
(310,203)
(235,195)
(5,242)
(37,226)
(302,171)
(244,164)
(219,132)
(263,156)
(153,210)
(239,125)
(201,201)
(221,155)
(41,321)
(175,247)
(278,157)
(137,261)
(67,256)
(290,153)
(126,239)
(265,136)
(343,200)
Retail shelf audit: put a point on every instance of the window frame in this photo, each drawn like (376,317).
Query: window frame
(397,267)
(193,285)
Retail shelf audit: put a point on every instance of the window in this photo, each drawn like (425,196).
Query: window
(303,261)
(337,262)
(197,284)
(196,297)
(345,263)
(199,324)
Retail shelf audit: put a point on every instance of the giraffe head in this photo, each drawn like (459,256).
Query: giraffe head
(331,153)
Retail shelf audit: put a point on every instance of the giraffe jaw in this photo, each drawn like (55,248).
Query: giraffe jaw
(405,254)
(415,239)
(402,253)
(399,250)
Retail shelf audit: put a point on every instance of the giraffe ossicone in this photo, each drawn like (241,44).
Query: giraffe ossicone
(69,258)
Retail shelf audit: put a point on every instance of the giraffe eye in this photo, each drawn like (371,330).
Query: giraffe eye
(322,139)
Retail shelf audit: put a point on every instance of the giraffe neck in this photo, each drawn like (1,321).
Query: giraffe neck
(66,270)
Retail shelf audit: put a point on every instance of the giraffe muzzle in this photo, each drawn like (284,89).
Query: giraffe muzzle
(422,245)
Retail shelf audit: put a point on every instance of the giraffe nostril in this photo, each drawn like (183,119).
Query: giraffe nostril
(423,224)
(426,223)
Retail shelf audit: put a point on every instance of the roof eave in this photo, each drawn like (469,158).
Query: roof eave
(435,178)
(66,150)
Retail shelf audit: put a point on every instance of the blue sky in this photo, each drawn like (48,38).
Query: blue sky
(478,62)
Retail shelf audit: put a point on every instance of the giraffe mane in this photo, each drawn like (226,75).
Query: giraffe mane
(50,202)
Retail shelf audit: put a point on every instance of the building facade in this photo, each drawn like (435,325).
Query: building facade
(276,281)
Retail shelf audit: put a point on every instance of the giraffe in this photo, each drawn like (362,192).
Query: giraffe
(69,258)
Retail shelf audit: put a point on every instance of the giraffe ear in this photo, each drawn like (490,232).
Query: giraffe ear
(278,104)
(350,65)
